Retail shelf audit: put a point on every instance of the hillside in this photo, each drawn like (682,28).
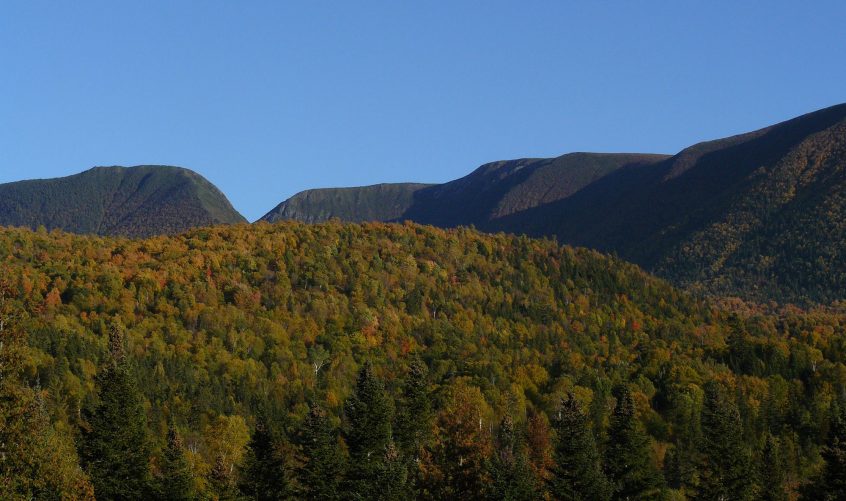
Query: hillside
(760,215)
(490,192)
(381,202)
(135,201)
(232,329)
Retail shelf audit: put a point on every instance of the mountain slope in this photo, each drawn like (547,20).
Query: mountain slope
(380,202)
(760,215)
(492,191)
(135,201)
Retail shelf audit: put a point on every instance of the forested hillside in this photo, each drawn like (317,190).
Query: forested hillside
(384,361)
(136,201)
(758,215)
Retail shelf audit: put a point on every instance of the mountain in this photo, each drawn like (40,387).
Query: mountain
(135,201)
(380,202)
(492,191)
(761,215)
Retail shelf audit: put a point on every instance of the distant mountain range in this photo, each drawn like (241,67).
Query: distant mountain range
(761,215)
(136,201)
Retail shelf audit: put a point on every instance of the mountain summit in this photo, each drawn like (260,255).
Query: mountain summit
(130,201)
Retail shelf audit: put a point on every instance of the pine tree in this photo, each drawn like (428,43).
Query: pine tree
(115,447)
(512,477)
(577,473)
(725,465)
(628,458)
(321,474)
(263,476)
(368,435)
(772,471)
(177,480)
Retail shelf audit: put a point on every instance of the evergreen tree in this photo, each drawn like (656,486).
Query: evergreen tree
(725,466)
(628,459)
(263,476)
(177,480)
(368,412)
(321,474)
(115,448)
(512,477)
(772,471)
(577,473)
(222,482)
(831,484)
(413,428)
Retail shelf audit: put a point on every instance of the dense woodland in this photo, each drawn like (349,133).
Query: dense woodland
(378,361)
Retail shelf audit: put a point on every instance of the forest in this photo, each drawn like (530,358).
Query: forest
(400,361)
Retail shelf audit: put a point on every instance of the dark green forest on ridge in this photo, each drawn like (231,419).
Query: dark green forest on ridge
(398,361)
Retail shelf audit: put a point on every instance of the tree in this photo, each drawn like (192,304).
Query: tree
(772,471)
(413,428)
(725,465)
(831,484)
(577,472)
(368,435)
(512,477)
(177,480)
(321,474)
(628,458)
(115,447)
(263,476)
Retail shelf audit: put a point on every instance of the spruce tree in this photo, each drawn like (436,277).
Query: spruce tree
(628,459)
(831,484)
(772,471)
(321,474)
(263,476)
(115,447)
(577,472)
(725,464)
(177,480)
(413,427)
(512,477)
(368,435)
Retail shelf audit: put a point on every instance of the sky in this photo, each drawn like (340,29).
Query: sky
(268,98)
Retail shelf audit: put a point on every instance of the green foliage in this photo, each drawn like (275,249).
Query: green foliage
(115,449)
(136,201)
(322,472)
(512,478)
(264,476)
(772,472)
(577,472)
(177,479)
(368,435)
(629,462)
(726,466)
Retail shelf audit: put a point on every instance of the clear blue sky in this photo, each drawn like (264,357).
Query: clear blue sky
(269,98)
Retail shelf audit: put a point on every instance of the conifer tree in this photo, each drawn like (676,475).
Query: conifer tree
(512,477)
(368,435)
(577,472)
(725,465)
(831,485)
(177,480)
(263,476)
(321,474)
(413,428)
(772,471)
(628,458)
(222,482)
(115,447)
